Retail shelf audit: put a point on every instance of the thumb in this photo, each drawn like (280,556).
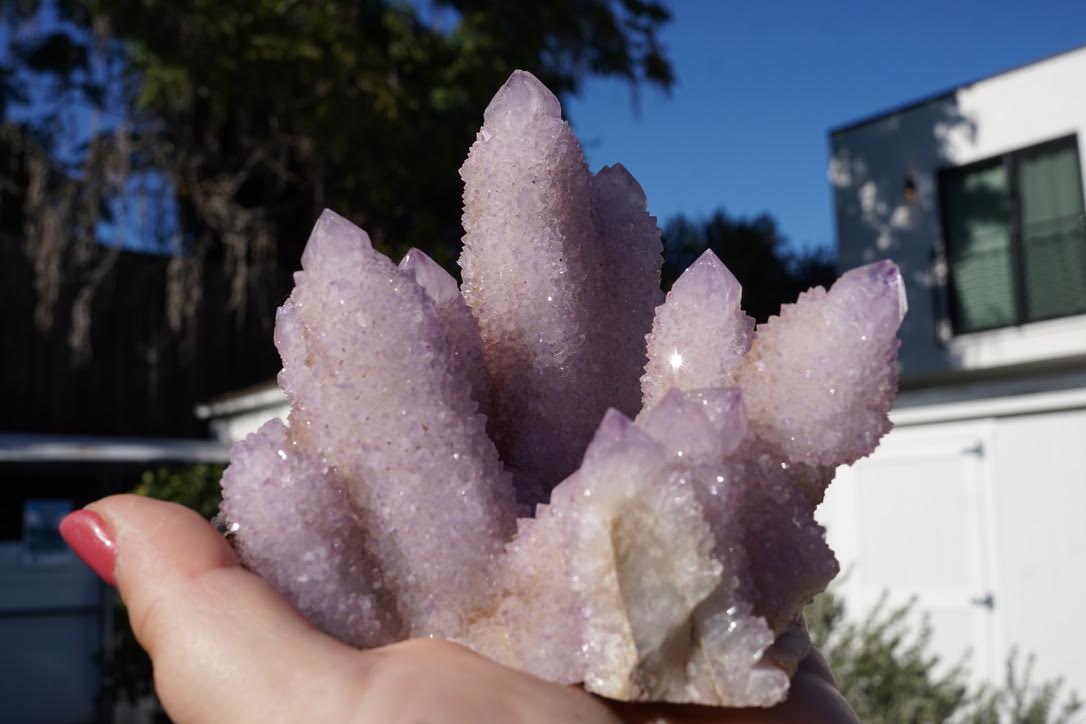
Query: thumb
(225,645)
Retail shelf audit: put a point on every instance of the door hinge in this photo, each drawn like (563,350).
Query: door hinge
(975,449)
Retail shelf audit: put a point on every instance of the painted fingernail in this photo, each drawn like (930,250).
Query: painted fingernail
(87,534)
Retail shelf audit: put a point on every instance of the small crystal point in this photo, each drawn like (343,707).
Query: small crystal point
(708,273)
(613,425)
(294,524)
(332,234)
(681,425)
(522,98)
(631,252)
(614,183)
(724,408)
(699,334)
(438,283)
(882,279)
(640,560)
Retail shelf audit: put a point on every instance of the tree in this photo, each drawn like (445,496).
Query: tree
(755,251)
(228,126)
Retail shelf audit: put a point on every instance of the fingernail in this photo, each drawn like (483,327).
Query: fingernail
(87,534)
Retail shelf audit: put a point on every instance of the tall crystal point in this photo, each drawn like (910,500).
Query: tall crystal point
(630,275)
(536,268)
(378,386)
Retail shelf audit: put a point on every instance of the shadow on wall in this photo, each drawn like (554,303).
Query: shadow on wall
(884,172)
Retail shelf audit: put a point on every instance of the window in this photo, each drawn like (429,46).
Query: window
(1014,228)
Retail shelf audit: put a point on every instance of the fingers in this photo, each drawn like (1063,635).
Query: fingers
(225,645)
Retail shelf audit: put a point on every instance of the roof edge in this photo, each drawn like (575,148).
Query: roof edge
(943,94)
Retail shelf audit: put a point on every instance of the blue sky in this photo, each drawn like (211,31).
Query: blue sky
(760,83)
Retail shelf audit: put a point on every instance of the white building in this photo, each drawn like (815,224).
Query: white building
(976,502)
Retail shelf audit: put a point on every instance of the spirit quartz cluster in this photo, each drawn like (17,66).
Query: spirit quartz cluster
(553,464)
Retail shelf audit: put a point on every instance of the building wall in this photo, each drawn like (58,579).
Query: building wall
(51,633)
(238,426)
(875,219)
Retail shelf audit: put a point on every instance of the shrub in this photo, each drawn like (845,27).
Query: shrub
(886,669)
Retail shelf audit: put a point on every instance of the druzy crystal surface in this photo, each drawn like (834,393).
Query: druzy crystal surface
(552,463)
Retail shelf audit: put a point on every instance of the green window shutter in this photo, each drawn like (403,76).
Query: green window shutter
(978,229)
(1052,231)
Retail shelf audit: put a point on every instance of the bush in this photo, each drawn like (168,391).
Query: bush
(885,668)
(193,486)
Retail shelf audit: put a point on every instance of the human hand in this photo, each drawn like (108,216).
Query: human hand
(227,647)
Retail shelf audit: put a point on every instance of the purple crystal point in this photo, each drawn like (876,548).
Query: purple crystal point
(682,426)
(630,287)
(561,340)
(332,237)
(726,412)
(522,98)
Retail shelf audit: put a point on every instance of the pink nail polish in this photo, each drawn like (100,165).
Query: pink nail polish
(87,534)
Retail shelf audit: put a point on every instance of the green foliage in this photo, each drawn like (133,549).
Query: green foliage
(1022,701)
(755,251)
(194,486)
(886,670)
(260,113)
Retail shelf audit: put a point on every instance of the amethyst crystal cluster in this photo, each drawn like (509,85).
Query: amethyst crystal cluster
(509,465)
